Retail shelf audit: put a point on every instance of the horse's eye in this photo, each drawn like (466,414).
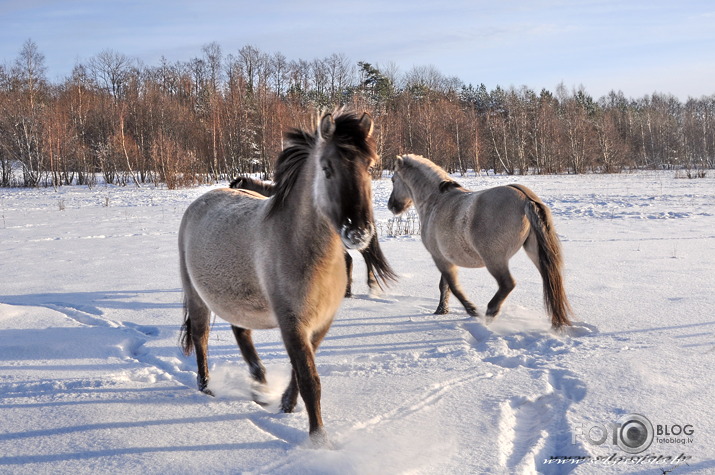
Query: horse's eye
(371,170)
(327,172)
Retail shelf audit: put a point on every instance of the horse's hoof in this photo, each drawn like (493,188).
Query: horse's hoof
(260,398)
(472,311)
(441,311)
(374,290)
(203,384)
(319,438)
(287,406)
(491,315)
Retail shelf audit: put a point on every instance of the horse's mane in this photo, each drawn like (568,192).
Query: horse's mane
(349,139)
(432,175)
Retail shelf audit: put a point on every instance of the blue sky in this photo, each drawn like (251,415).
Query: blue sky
(638,47)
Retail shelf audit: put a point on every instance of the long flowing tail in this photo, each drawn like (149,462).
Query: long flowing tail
(185,339)
(376,262)
(550,259)
(187,343)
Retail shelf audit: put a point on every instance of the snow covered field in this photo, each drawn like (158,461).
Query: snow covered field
(92,379)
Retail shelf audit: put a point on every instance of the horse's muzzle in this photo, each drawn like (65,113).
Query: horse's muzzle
(397,207)
(356,238)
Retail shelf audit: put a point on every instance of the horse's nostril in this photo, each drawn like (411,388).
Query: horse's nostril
(356,237)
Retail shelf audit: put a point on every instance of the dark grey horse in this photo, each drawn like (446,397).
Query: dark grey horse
(261,262)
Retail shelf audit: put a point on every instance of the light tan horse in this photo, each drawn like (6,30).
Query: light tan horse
(260,262)
(372,254)
(463,228)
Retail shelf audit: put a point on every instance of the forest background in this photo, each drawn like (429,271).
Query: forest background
(118,121)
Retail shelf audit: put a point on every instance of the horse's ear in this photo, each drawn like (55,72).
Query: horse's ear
(367,124)
(399,163)
(327,126)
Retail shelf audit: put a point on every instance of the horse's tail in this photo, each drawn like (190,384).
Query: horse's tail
(187,343)
(550,262)
(376,260)
(185,339)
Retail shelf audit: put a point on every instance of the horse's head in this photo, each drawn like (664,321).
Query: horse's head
(400,198)
(343,185)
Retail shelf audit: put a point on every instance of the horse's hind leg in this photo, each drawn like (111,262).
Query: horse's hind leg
(250,356)
(449,277)
(444,293)
(197,328)
(506,284)
(531,247)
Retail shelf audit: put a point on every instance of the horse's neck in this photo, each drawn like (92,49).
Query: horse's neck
(300,213)
(424,191)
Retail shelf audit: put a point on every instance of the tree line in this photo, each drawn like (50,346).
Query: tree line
(219,115)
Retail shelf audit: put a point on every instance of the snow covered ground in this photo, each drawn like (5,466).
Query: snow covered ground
(92,379)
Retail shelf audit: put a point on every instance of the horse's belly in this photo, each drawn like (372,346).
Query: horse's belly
(460,252)
(252,319)
(244,306)
(465,259)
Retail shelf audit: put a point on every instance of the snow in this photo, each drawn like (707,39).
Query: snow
(92,379)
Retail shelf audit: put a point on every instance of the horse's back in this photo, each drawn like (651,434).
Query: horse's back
(221,216)
(499,208)
(470,227)
(219,240)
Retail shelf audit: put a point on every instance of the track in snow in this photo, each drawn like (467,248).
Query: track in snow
(536,427)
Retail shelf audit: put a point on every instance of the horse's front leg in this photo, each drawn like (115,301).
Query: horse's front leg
(506,285)
(449,282)
(290,395)
(305,377)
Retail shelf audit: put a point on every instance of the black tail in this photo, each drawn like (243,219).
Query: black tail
(376,261)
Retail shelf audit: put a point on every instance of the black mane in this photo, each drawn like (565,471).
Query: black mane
(349,138)
(447,185)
